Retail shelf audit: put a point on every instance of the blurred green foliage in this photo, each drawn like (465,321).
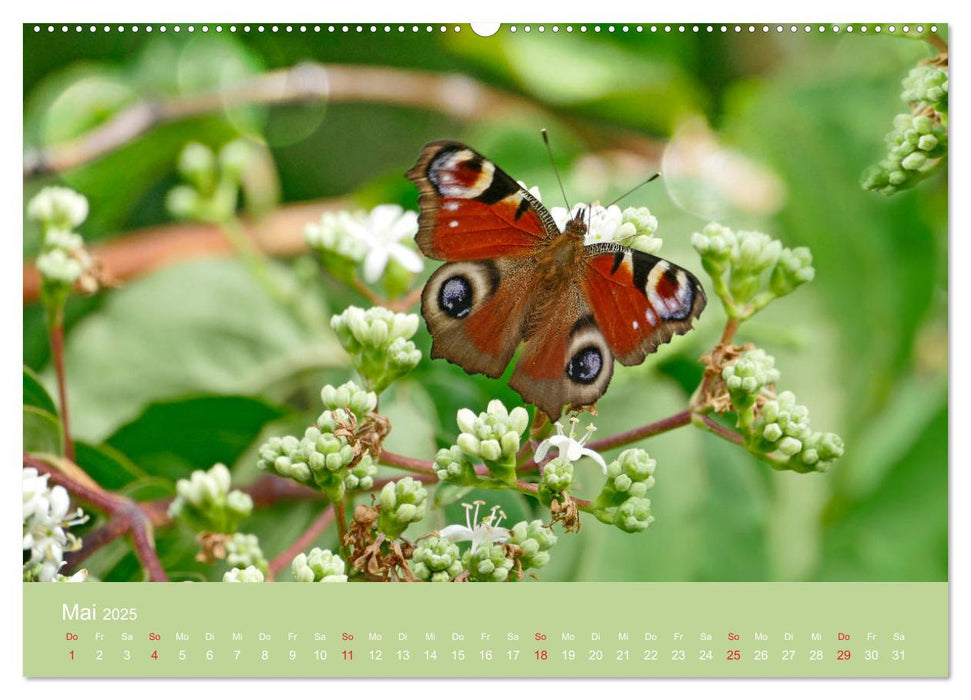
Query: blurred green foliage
(194,363)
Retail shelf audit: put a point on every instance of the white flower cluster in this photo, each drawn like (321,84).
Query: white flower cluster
(46,520)
(248,575)
(633,227)
(58,210)
(375,238)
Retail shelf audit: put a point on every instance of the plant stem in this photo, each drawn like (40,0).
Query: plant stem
(282,560)
(718,429)
(677,420)
(131,518)
(55,331)
(417,466)
(340,513)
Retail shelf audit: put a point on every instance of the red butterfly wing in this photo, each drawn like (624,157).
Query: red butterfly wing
(472,210)
(638,300)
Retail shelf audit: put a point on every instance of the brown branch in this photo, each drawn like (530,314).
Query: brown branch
(455,95)
(131,519)
(317,527)
(280,233)
(677,420)
(56,337)
(417,466)
(720,430)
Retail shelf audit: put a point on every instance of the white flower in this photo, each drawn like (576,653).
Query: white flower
(248,575)
(78,577)
(568,447)
(57,266)
(337,232)
(58,207)
(476,531)
(46,519)
(382,231)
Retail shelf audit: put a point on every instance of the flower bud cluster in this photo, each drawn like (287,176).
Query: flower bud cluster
(622,500)
(212,181)
(634,227)
(489,562)
(436,559)
(63,260)
(453,466)
(250,574)
(918,141)
(534,540)
(47,516)
(493,437)
(750,268)
(378,341)
(745,379)
(783,428)
(205,502)
(556,479)
(319,566)
(244,551)
(325,458)
(402,503)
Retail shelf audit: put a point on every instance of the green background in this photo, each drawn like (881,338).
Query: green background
(194,364)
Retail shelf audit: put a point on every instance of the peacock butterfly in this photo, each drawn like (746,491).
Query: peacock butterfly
(512,276)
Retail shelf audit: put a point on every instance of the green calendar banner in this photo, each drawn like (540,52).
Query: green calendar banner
(607,630)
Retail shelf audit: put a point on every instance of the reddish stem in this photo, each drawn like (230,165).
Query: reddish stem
(418,466)
(56,335)
(317,527)
(679,419)
(721,431)
(131,519)
(406,302)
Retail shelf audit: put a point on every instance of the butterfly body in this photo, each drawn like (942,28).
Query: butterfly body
(512,278)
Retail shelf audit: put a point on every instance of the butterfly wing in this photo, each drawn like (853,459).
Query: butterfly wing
(566,358)
(472,210)
(638,300)
(489,228)
(476,310)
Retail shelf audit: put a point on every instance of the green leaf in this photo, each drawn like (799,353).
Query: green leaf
(35,394)
(162,337)
(42,431)
(173,438)
(106,465)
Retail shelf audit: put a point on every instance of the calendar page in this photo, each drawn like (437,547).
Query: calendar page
(513,350)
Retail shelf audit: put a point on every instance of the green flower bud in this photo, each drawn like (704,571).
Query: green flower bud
(319,566)
(783,429)
(197,164)
(361,476)
(436,559)
(351,397)
(377,341)
(749,268)
(634,515)
(488,563)
(402,503)
(452,466)
(915,161)
(244,551)
(795,268)
(58,208)
(205,503)
(183,202)
(250,574)
(234,159)
(557,478)
(535,539)
(630,475)
(493,437)
(283,456)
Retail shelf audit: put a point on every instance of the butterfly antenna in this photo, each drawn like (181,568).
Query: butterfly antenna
(652,178)
(549,150)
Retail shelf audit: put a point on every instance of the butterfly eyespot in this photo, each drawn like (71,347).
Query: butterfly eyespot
(585,365)
(455,297)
